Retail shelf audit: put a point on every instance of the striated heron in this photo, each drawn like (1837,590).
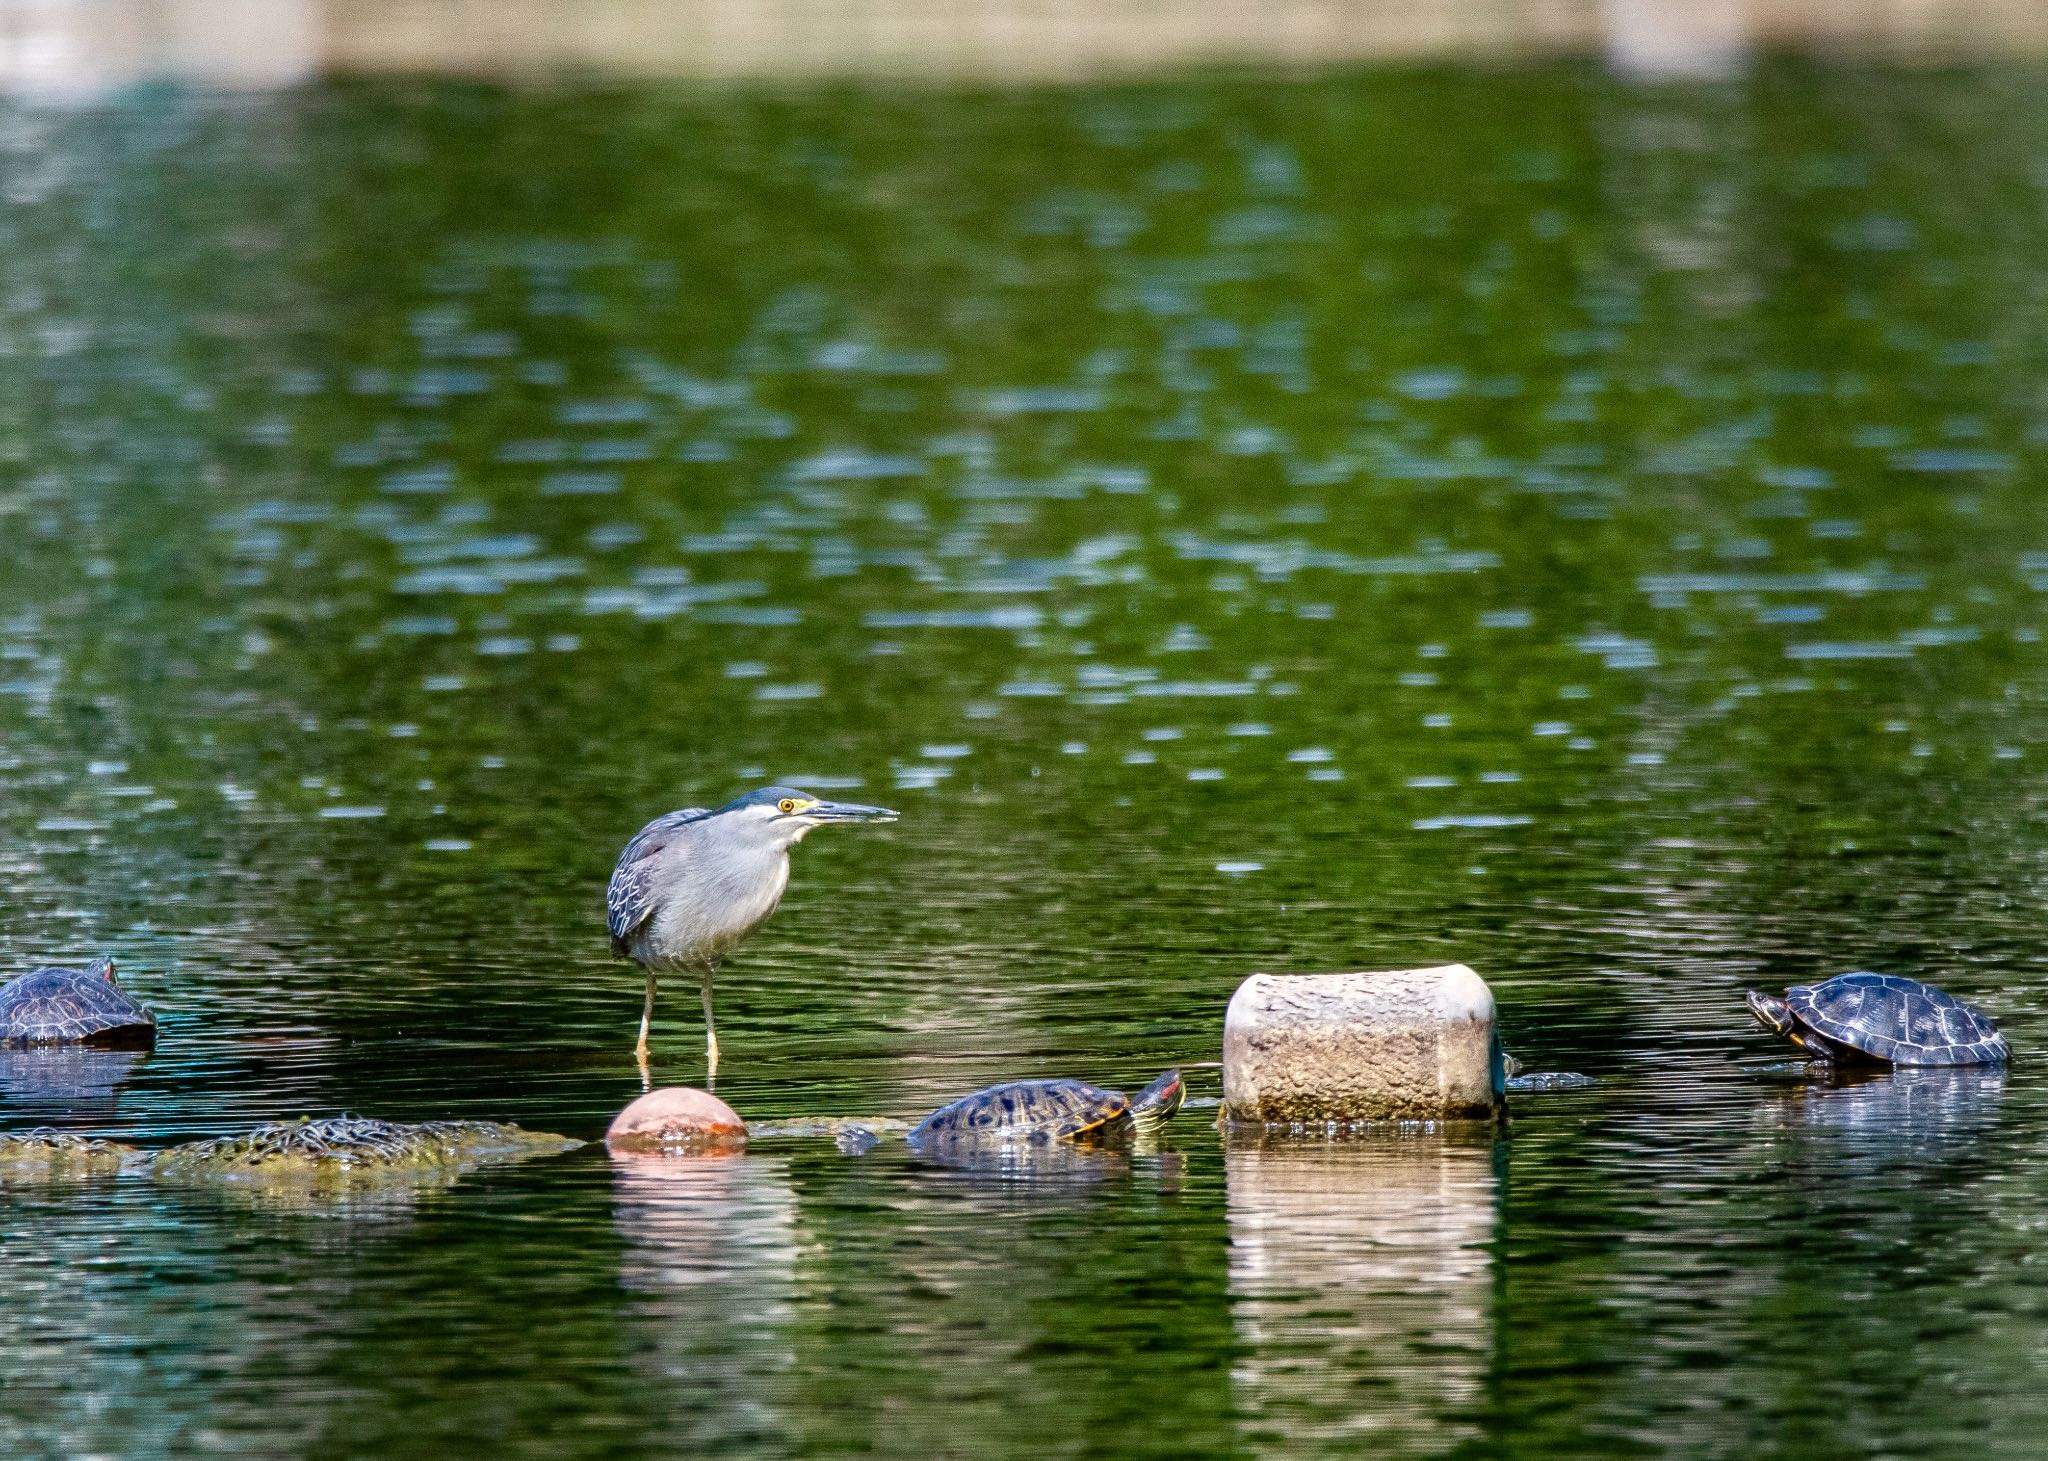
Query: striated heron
(693,883)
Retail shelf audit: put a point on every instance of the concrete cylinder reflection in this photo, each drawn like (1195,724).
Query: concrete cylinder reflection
(1362,1287)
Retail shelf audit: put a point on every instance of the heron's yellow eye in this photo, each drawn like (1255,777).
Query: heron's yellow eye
(786,805)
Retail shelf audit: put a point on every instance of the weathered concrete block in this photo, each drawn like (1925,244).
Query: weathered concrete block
(677,1119)
(1406,1044)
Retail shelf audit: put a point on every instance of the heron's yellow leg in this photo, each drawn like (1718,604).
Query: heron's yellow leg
(710,1031)
(646,1017)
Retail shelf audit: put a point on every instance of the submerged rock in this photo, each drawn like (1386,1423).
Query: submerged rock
(1548,1080)
(43,1154)
(1522,1080)
(677,1119)
(344,1147)
(841,1129)
(1400,1045)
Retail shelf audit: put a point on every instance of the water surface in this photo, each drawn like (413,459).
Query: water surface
(1358,521)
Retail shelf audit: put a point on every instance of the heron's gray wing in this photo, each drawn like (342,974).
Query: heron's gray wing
(629,901)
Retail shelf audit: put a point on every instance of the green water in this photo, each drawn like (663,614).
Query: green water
(1587,532)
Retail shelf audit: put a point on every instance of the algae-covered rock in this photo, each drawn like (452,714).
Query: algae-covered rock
(342,1149)
(45,1155)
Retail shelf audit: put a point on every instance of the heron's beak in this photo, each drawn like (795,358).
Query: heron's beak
(846,812)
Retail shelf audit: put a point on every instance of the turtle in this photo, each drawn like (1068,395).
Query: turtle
(1049,1111)
(1881,1017)
(53,1006)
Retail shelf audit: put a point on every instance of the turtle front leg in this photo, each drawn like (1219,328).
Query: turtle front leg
(1819,1051)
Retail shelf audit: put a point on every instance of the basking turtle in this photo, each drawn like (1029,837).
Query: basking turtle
(1049,1111)
(72,1006)
(1881,1017)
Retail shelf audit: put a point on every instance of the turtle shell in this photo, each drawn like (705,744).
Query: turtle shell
(1900,1020)
(55,1006)
(1024,1111)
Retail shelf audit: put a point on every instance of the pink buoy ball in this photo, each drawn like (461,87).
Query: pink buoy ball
(677,1119)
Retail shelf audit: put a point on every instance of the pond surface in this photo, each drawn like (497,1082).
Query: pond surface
(1356,521)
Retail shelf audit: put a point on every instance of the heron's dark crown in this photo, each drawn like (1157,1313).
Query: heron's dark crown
(765,796)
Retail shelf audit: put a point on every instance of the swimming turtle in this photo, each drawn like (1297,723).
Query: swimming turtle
(55,1006)
(1883,1017)
(1049,1111)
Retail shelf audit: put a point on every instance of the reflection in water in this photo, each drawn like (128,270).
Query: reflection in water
(1362,1278)
(1003,1183)
(60,1084)
(1051,1161)
(1878,1116)
(358,1205)
(711,1249)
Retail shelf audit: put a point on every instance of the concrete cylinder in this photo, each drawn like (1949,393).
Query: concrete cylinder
(1397,1045)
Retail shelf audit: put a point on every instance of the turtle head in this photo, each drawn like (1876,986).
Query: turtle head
(1158,1101)
(1772,1013)
(102,968)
